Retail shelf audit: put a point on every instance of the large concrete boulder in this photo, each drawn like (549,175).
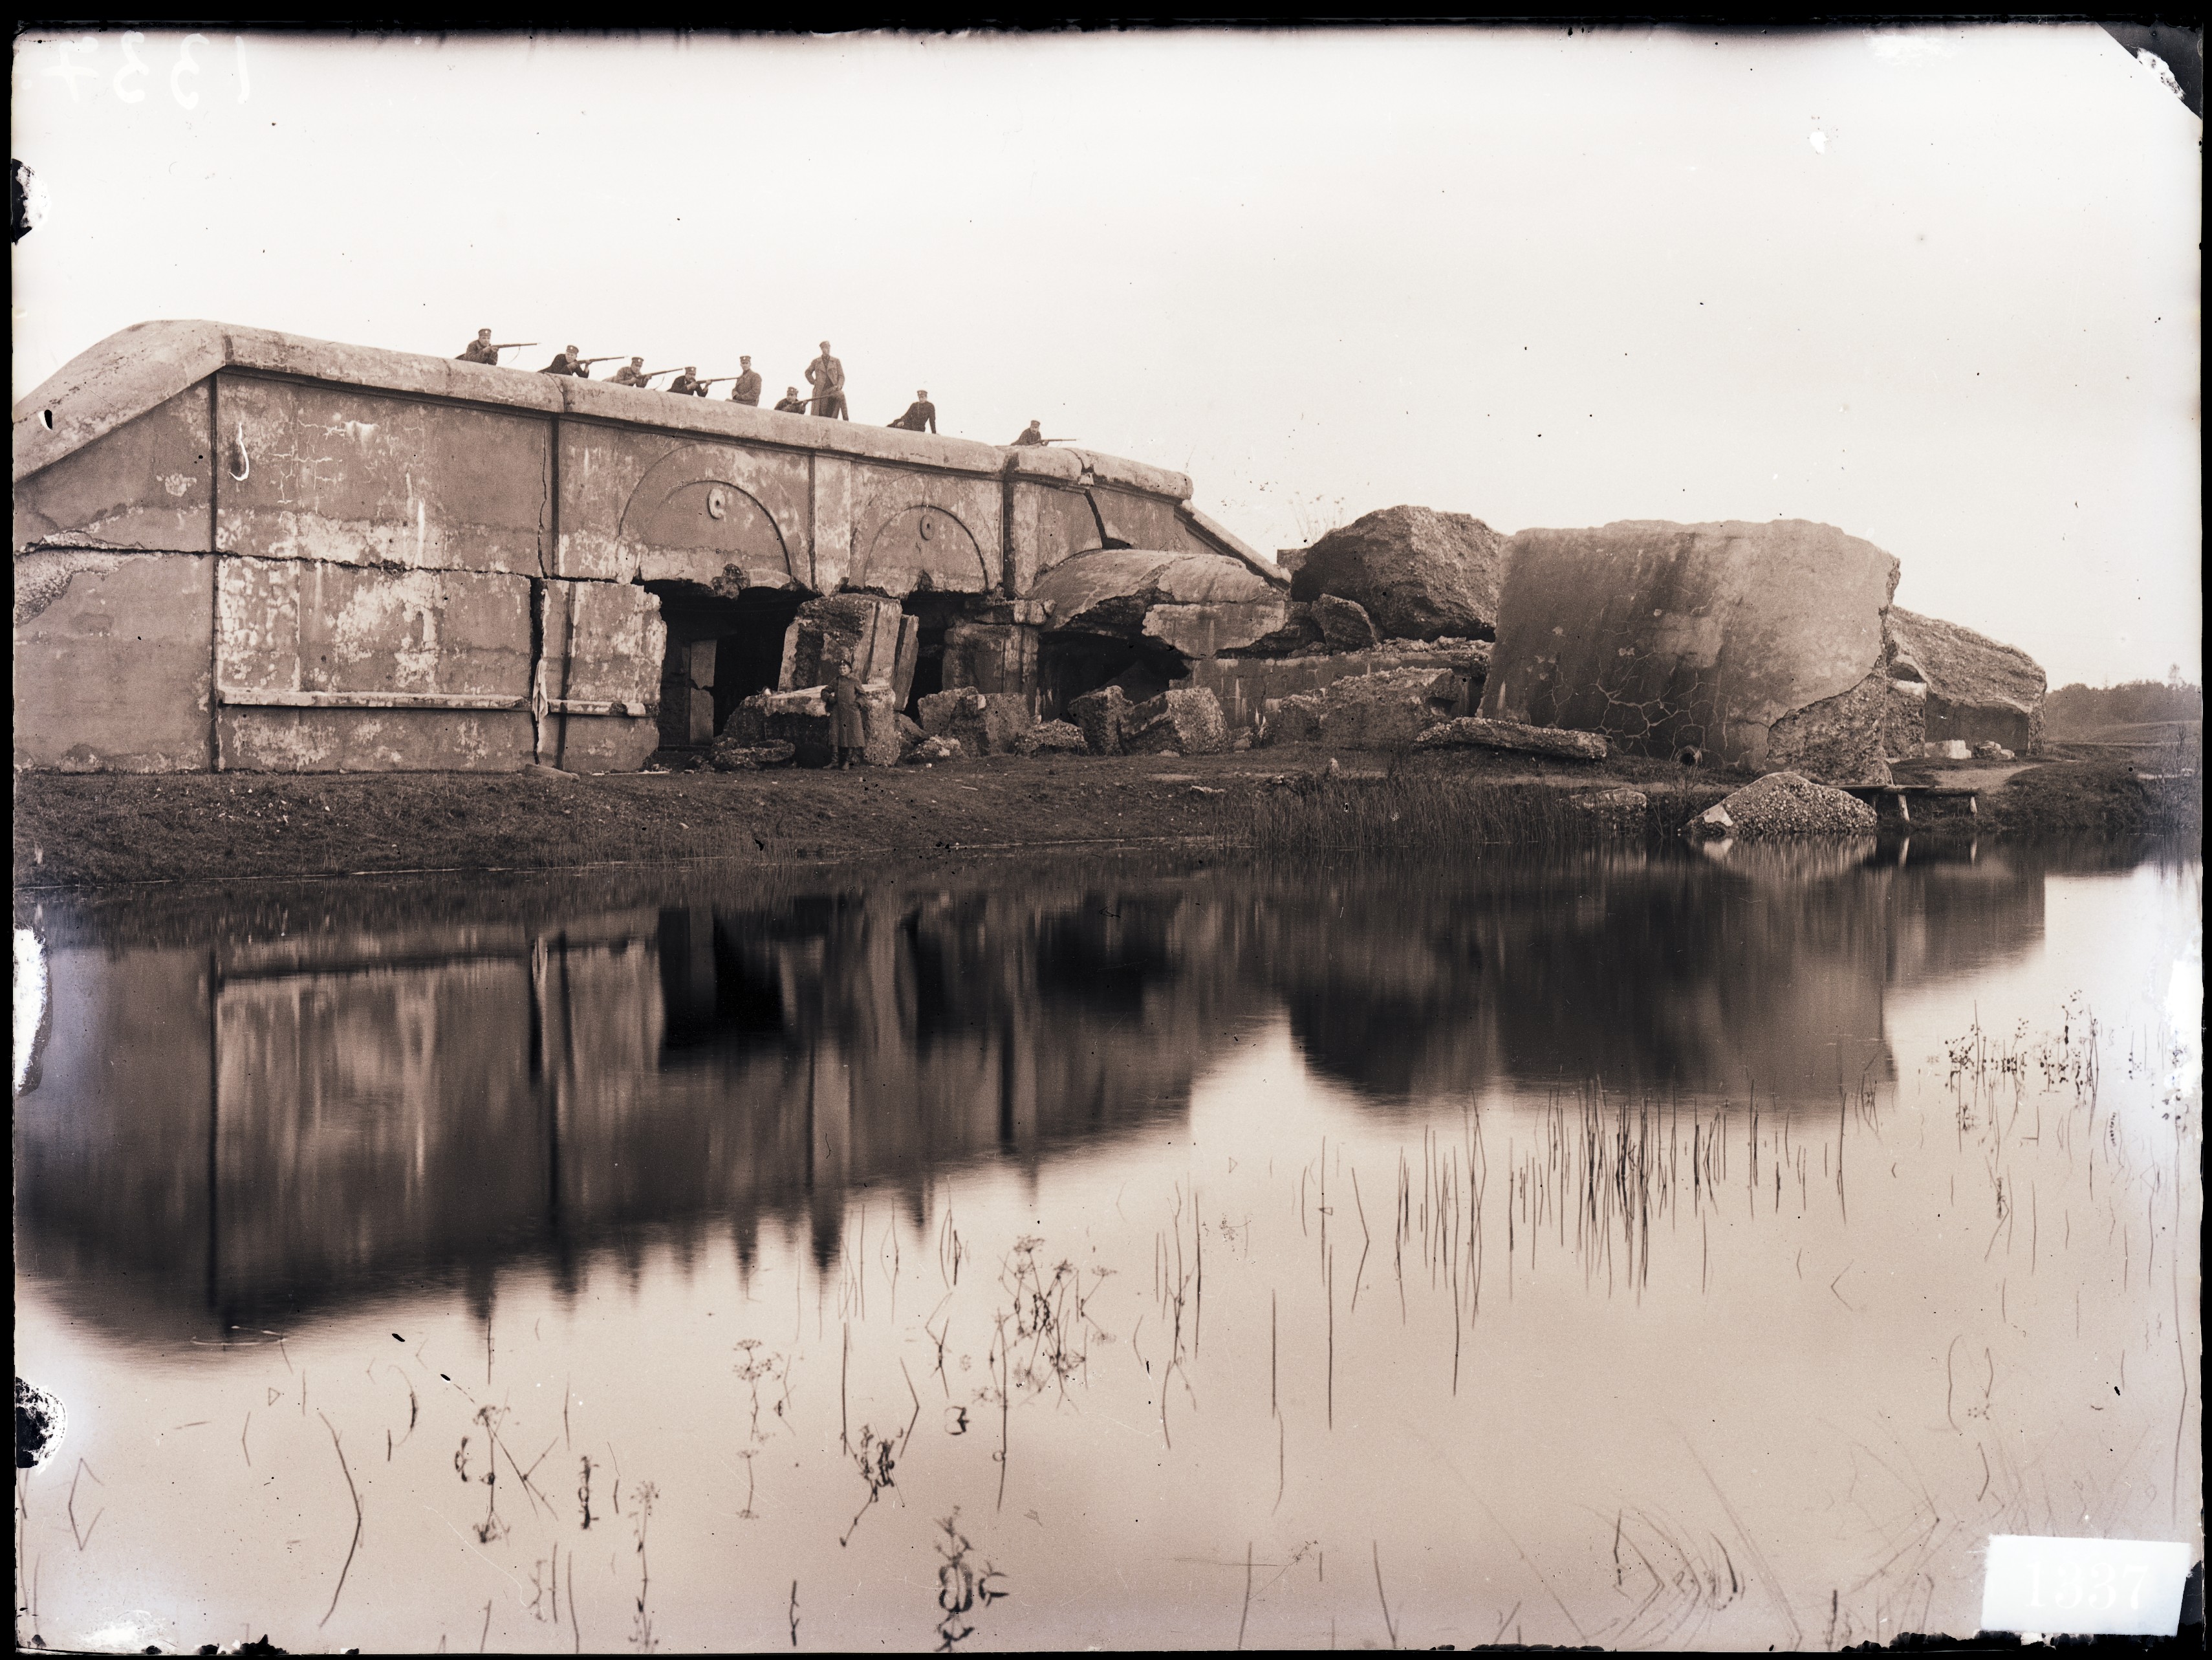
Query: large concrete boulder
(1053,738)
(1739,642)
(1979,690)
(1100,716)
(1418,573)
(984,723)
(1179,721)
(1780,805)
(1345,624)
(1385,710)
(1197,604)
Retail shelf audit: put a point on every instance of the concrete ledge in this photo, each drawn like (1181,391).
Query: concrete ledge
(140,368)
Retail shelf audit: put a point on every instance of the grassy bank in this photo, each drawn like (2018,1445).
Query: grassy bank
(99,831)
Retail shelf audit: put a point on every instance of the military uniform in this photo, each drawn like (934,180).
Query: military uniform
(684,386)
(747,389)
(479,351)
(827,376)
(920,415)
(628,375)
(791,406)
(850,735)
(562,364)
(1030,434)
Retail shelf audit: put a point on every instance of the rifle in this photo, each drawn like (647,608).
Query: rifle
(609,358)
(654,374)
(718,380)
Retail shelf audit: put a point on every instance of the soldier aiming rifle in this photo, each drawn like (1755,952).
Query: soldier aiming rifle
(564,362)
(791,402)
(686,385)
(484,349)
(1034,434)
(631,373)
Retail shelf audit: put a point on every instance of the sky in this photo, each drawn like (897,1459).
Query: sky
(1939,287)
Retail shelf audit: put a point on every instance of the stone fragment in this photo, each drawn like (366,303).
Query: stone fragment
(1053,736)
(1473,732)
(1345,624)
(1617,811)
(1384,710)
(865,628)
(1783,804)
(1101,715)
(933,749)
(1417,572)
(728,756)
(1179,721)
(1979,690)
(985,724)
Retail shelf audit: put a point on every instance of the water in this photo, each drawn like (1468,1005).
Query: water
(1620,1249)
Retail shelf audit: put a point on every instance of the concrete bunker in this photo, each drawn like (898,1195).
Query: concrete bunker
(270,553)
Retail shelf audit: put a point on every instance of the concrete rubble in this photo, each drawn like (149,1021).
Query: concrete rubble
(1979,690)
(1783,804)
(1472,731)
(1417,572)
(1388,709)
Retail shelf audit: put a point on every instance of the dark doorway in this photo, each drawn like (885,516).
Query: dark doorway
(721,650)
(935,612)
(1071,664)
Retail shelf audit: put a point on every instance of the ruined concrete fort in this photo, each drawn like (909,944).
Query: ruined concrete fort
(236,549)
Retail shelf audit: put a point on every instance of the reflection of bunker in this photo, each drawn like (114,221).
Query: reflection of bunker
(241,550)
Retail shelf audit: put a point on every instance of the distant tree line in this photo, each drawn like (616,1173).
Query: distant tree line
(2080,708)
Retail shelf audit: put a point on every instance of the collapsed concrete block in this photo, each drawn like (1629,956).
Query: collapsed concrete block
(862,628)
(731,756)
(985,724)
(998,660)
(935,748)
(881,742)
(1179,721)
(800,719)
(1780,805)
(1053,737)
(1978,689)
(1100,716)
(1471,732)
(1199,603)
(1675,638)
(1417,572)
(1345,624)
(1384,710)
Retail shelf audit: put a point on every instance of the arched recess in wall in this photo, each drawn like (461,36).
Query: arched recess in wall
(697,517)
(902,546)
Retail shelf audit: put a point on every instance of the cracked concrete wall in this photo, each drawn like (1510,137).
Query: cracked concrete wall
(1670,637)
(465,501)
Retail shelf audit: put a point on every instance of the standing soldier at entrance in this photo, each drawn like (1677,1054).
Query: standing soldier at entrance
(791,402)
(748,388)
(827,376)
(848,735)
(686,385)
(631,373)
(920,415)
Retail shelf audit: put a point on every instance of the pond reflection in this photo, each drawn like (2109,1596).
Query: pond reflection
(240,1114)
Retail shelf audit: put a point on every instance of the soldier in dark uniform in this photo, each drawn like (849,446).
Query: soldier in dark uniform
(686,385)
(748,388)
(791,402)
(1032,434)
(480,349)
(849,735)
(631,373)
(566,363)
(920,415)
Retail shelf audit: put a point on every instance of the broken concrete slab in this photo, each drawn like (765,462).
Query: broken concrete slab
(984,723)
(1345,624)
(1418,573)
(1387,709)
(1690,639)
(862,628)
(1979,690)
(1473,732)
(730,756)
(1783,804)
(1053,736)
(1179,721)
(1102,716)
(1199,603)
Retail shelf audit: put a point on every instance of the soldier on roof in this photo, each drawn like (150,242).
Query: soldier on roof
(748,388)
(920,415)
(631,373)
(827,376)
(566,363)
(480,349)
(791,402)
